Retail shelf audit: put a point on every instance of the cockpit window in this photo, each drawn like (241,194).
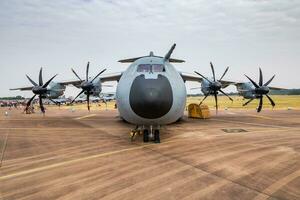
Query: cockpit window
(158,68)
(144,68)
(151,68)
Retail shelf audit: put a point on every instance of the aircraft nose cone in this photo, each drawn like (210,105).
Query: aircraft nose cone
(151,98)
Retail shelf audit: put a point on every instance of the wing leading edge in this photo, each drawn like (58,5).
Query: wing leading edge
(106,78)
(189,77)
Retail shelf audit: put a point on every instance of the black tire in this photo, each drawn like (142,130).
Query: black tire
(146,135)
(156,136)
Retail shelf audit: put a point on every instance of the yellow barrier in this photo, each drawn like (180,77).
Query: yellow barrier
(196,111)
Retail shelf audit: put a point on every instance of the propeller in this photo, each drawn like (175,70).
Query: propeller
(39,89)
(261,90)
(86,85)
(215,86)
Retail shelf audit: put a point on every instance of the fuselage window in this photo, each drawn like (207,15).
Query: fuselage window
(150,68)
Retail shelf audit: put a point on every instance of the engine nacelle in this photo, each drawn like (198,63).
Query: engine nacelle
(97,88)
(246,90)
(55,90)
(205,87)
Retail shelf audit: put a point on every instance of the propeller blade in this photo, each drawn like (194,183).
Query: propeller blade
(77,96)
(48,82)
(271,100)
(41,77)
(260,104)
(87,71)
(269,81)
(29,102)
(255,85)
(76,74)
(203,99)
(88,100)
(41,104)
(226,94)
(224,73)
(213,71)
(247,102)
(98,74)
(216,100)
(31,81)
(260,77)
(203,76)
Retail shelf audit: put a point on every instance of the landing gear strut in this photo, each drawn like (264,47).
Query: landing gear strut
(146,135)
(156,136)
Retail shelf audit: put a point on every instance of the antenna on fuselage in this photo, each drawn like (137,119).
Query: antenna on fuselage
(168,55)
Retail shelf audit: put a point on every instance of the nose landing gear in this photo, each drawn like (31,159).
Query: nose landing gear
(156,136)
(153,135)
(148,134)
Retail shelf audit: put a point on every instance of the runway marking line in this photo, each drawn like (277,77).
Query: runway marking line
(38,169)
(86,116)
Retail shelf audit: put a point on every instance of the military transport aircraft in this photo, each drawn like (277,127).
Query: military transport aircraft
(151,92)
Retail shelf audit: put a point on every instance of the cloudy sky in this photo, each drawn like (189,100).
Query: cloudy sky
(58,35)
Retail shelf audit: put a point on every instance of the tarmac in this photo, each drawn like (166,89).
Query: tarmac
(66,154)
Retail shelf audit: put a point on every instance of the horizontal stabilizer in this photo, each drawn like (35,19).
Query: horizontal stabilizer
(166,58)
(131,60)
(174,60)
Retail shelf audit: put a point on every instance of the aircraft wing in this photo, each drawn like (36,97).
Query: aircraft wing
(276,88)
(189,77)
(22,88)
(271,88)
(75,82)
(104,78)
(112,77)
(194,78)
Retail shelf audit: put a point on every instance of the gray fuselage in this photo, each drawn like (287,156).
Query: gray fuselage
(151,92)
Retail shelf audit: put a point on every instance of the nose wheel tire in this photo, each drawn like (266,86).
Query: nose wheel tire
(156,136)
(146,136)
